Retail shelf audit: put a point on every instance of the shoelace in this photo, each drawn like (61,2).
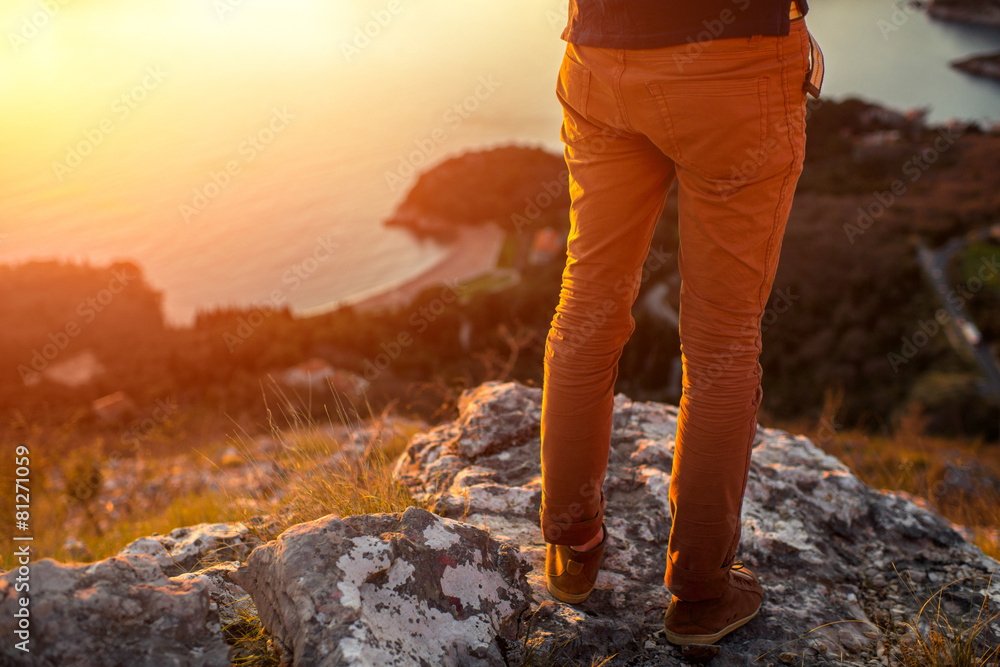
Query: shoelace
(746,583)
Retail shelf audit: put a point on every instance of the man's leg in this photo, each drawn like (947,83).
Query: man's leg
(733,209)
(618,185)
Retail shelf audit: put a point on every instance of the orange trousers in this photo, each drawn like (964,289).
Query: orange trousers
(726,120)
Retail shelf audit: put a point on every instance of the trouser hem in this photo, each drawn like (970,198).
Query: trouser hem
(570,533)
(694,586)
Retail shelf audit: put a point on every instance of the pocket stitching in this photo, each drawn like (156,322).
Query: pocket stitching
(657,91)
(578,100)
(575,70)
(757,84)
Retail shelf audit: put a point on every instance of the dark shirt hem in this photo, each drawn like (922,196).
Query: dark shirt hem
(777,26)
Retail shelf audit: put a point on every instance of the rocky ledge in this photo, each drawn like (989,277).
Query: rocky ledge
(987,65)
(841,564)
(983,12)
(118,611)
(838,560)
(385,589)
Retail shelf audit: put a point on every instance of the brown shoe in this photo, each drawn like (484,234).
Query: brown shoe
(708,621)
(571,574)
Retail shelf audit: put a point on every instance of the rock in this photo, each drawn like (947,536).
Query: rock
(76,549)
(503,179)
(986,65)
(233,602)
(388,589)
(813,532)
(981,12)
(699,654)
(231,457)
(118,611)
(318,375)
(186,549)
(114,407)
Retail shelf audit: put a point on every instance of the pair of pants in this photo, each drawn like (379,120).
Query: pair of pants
(726,120)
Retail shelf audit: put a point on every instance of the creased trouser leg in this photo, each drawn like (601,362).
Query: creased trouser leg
(727,122)
(605,253)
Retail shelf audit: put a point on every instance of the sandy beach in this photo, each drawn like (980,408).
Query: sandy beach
(475,251)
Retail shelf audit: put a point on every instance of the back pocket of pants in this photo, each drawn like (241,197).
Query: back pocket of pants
(573,91)
(717,128)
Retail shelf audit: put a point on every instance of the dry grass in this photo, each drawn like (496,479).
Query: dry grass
(341,467)
(311,474)
(317,474)
(71,491)
(959,479)
(252,646)
(554,655)
(940,642)
(935,637)
(956,478)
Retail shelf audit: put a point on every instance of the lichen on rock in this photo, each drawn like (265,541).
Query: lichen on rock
(826,546)
(388,589)
(121,610)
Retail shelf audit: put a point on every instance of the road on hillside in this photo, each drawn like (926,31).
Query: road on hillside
(934,264)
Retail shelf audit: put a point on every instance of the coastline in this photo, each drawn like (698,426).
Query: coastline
(475,251)
(986,65)
(988,17)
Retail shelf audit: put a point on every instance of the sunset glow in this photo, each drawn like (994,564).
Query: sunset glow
(355,330)
(119,117)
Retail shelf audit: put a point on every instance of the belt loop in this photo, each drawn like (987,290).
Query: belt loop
(814,79)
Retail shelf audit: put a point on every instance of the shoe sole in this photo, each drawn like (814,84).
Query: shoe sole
(563,596)
(705,639)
